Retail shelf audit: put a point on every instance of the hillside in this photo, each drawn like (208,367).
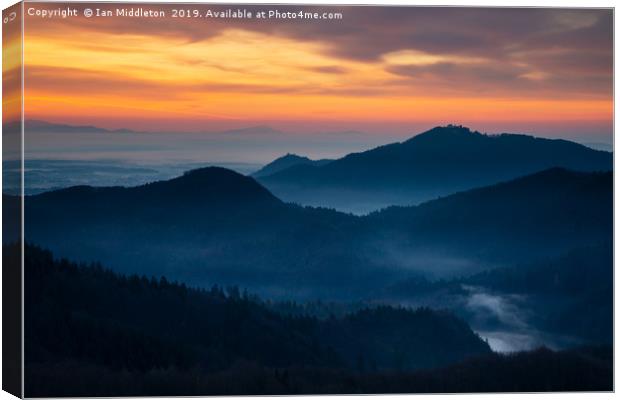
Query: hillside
(536,214)
(529,303)
(287,161)
(84,316)
(210,225)
(216,226)
(435,163)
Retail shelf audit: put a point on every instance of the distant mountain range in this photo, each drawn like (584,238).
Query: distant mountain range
(33,125)
(38,126)
(435,163)
(288,161)
(257,131)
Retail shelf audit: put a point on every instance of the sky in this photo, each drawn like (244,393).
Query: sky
(382,70)
(11,65)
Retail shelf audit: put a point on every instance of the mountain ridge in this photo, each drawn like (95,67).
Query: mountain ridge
(202,184)
(434,163)
(257,238)
(287,161)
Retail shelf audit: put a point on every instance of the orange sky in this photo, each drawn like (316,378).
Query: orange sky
(484,68)
(11,65)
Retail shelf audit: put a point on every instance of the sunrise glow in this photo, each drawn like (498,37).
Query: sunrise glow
(139,75)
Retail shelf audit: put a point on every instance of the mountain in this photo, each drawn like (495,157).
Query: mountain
(213,186)
(84,317)
(260,130)
(213,225)
(285,162)
(544,212)
(33,125)
(435,163)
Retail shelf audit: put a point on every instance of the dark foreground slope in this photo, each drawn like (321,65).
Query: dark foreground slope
(86,316)
(91,332)
(587,369)
(435,163)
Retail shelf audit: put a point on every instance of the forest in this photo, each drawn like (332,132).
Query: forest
(92,331)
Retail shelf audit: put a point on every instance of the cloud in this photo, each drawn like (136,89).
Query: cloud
(375,64)
(516,43)
(329,69)
(366,33)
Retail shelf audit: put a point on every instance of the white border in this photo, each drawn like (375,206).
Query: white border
(482,3)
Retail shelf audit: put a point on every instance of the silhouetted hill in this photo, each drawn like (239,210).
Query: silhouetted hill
(535,214)
(84,316)
(217,226)
(211,196)
(435,163)
(208,226)
(285,162)
(210,185)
